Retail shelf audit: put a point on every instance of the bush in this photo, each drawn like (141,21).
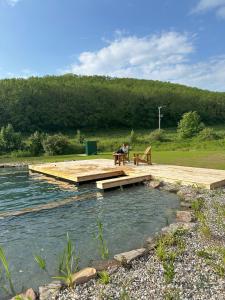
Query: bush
(189,125)
(157,135)
(56,144)
(80,137)
(208,134)
(36,143)
(132,138)
(75,148)
(9,139)
(21,153)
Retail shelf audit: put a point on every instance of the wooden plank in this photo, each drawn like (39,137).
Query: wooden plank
(126,180)
(76,178)
(92,177)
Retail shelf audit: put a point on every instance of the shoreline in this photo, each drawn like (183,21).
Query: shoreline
(189,275)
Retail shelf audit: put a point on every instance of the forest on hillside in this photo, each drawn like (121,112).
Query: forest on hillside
(60,103)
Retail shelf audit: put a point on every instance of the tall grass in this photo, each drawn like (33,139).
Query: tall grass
(8,276)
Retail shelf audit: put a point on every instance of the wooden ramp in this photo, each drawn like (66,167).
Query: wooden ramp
(125,180)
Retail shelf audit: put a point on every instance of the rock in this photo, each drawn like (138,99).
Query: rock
(29,294)
(185,204)
(174,226)
(105,264)
(50,291)
(150,243)
(127,257)
(184,216)
(84,275)
(155,184)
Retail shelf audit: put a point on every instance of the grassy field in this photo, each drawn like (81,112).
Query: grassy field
(188,152)
(204,159)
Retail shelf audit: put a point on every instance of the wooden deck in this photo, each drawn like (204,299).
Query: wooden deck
(97,169)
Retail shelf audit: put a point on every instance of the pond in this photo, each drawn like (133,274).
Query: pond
(129,216)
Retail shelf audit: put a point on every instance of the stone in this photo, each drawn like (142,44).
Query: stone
(185,204)
(127,257)
(29,294)
(105,264)
(155,184)
(84,275)
(50,291)
(184,216)
(174,226)
(150,243)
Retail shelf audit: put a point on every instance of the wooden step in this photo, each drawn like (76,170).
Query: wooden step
(121,181)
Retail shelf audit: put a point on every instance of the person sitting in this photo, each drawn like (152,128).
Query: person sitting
(124,149)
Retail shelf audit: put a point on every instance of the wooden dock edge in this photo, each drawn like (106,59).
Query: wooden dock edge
(121,181)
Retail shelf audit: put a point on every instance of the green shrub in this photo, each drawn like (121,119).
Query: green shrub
(36,143)
(21,153)
(56,144)
(79,137)
(189,125)
(74,148)
(208,134)
(157,135)
(9,139)
(132,138)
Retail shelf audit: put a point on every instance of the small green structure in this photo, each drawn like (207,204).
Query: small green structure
(91,148)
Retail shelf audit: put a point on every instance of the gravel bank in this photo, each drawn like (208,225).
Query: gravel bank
(198,263)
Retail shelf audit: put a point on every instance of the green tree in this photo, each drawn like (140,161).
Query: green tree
(189,125)
(56,144)
(36,143)
(9,139)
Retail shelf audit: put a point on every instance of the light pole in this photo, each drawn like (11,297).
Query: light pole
(160,116)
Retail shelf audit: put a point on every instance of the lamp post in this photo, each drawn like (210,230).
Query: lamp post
(160,116)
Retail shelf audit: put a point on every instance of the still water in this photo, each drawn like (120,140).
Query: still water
(128,216)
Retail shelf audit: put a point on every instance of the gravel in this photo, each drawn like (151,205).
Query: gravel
(195,276)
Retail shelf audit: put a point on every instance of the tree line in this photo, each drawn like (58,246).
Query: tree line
(60,103)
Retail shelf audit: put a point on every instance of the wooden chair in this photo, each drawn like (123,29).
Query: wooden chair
(145,157)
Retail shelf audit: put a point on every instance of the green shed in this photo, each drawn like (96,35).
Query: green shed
(91,148)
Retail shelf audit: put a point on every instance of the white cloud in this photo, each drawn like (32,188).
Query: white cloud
(12,2)
(206,5)
(163,57)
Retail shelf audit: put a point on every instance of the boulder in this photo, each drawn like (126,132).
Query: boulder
(29,294)
(84,275)
(50,291)
(150,243)
(105,264)
(184,216)
(174,226)
(127,257)
(155,184)
(185,204)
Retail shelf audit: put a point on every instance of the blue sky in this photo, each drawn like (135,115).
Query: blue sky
(171,40)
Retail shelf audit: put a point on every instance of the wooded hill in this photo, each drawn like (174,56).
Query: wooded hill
(60,103)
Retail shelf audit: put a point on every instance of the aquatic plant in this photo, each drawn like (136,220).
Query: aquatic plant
(41,262)
(69,264)
(102,246)
(7,273)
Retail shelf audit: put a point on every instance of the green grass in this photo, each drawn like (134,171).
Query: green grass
(204,159)
(189,152)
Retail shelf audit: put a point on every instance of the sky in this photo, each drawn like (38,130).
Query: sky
(180,41)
